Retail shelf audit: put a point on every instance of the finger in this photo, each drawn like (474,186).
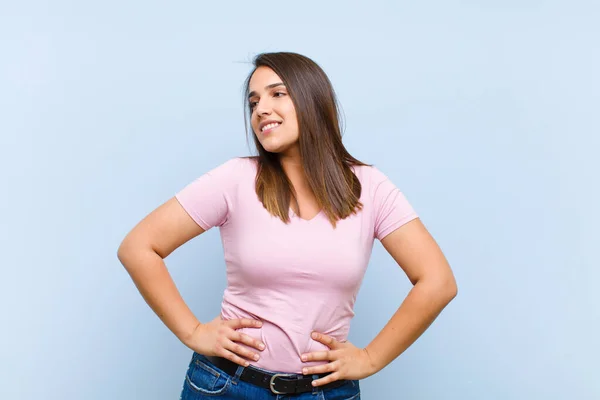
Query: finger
(247,340)
(240,350)
(234,357)
(321,369)
(222,351)
(317,356)
(243,323)
(325,339)
(327,379)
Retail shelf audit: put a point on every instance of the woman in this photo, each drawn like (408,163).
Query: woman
(297,224)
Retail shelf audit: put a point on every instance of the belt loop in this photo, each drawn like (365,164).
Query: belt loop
(315,389)
(238,373)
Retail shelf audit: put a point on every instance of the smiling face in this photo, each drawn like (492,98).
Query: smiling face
(273,116)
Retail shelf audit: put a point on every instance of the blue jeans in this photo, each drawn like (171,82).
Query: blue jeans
(205,381)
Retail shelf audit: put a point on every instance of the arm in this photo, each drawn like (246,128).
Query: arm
(142,253)
(417,253)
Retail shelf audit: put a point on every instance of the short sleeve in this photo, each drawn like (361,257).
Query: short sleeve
(392,209)
(208,198)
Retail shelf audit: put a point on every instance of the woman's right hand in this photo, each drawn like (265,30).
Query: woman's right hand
(221,338)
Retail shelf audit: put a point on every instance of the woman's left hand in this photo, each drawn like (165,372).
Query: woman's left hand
(346,361)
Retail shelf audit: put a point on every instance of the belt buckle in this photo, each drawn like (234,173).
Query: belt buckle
(272,383)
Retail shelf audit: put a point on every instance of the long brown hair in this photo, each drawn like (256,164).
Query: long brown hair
(326,162)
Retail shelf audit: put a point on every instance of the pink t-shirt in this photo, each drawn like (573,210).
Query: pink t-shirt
(295,278)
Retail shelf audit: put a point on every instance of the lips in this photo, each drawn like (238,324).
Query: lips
(269,125)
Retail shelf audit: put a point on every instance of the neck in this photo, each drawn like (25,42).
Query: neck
(292,166)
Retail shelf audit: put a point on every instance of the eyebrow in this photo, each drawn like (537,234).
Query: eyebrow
(271,86)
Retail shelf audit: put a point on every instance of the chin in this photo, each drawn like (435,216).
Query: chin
(273,147)
(272,150)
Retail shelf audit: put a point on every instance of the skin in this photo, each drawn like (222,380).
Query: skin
(143,250)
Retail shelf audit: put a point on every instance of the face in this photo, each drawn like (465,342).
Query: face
(273,116)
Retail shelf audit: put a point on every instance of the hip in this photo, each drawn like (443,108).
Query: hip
(208,377)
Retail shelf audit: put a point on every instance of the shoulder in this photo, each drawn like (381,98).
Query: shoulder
(239,163)
(234,168)
(370,177)
(225,176)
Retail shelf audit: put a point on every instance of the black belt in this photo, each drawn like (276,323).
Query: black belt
(276,383)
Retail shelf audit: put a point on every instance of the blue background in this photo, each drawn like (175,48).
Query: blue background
(485,114)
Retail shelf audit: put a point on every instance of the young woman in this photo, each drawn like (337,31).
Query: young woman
(297,223)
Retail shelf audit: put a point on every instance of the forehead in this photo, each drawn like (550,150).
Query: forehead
(262,77)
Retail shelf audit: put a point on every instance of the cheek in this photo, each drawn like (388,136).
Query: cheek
(294,126)
(291,111)
(290,117)
(254,123)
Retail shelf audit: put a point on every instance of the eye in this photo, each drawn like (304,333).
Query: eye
(279,94)
(253,104)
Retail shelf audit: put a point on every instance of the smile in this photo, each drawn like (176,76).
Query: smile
(270,127)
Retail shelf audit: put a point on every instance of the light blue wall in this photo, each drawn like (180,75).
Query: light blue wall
(486,114)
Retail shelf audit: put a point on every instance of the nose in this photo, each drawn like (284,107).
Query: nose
(263,107)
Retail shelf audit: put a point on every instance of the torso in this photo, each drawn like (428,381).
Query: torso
(296,277)
(308,206)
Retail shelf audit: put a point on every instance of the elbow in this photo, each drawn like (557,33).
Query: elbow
(446,283)
(126,251)
(133,253)
(443,288)
(449,288)
(452,290)
(122,253)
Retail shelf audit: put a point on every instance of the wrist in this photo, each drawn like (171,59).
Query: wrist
(371,365)
(186,337)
